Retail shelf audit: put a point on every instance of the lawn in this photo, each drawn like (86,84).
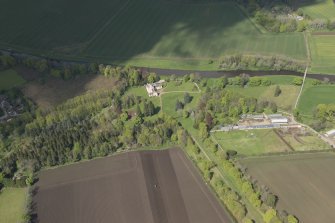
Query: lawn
(254,142)
(12,204)
(323,53)
(169,103)
(142,92)
(324,9)
(304,183)
(314,95)
(180,86)
(251,142)
(10,79)
(154,33)
(305,143)
(285,100)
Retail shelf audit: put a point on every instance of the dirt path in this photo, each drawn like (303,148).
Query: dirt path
(307,48)
(283,140)
(302,87)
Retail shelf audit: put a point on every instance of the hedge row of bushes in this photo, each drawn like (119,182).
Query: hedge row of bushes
(252,62)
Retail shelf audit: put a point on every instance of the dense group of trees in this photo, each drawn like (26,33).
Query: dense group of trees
(64,70)
(221,106)
(235,199)
(94,124)
(283,16)
(244,62)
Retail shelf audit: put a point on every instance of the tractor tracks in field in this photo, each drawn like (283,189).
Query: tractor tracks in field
(108,22)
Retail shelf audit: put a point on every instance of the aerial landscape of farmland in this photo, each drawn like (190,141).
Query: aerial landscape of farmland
(303,183)
(167,111)
(131,187)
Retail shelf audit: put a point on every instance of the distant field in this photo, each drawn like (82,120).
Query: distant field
(323,53)
(154,33)
(315,95)
(10,79)
(304,183)
(144,187)
(55,91)
(12,204)
(254,142)
(170,100)
(284,101)
(324,9)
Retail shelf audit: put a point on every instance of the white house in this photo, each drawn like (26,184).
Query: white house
(279,120)
(154,88)
(330,133)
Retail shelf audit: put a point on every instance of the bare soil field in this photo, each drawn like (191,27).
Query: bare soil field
(303,182)
(56,91)
(139,187)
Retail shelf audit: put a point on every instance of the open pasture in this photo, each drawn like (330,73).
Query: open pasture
(303,182)
(322,53)
(285,100)
(12,205)
(55,90)
(324,9)
(143,187)
(155,33)
(314,95)
(251,142)
(260,141)
(10,79)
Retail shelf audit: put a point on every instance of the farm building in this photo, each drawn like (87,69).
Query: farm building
(153,89)
(254,117)
(330,133)
(277,118)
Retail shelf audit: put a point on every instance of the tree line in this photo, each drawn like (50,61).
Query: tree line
(252,62)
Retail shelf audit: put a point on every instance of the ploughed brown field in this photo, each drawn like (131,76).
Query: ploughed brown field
(134,187)
(303,182)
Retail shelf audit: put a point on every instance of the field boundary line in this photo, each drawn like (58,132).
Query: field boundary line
(302,87)
(207,185)
(288,154)
(309,58)
(107,23)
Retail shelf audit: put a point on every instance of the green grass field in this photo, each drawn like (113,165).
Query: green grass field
(12,204)
(251,142)
(314,95)
(154,33)
(10,79)
(322,53)
(260,141)
(285,100)
(319,8)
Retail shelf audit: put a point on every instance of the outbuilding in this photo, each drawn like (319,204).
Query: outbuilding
(279,120)
(330,133)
